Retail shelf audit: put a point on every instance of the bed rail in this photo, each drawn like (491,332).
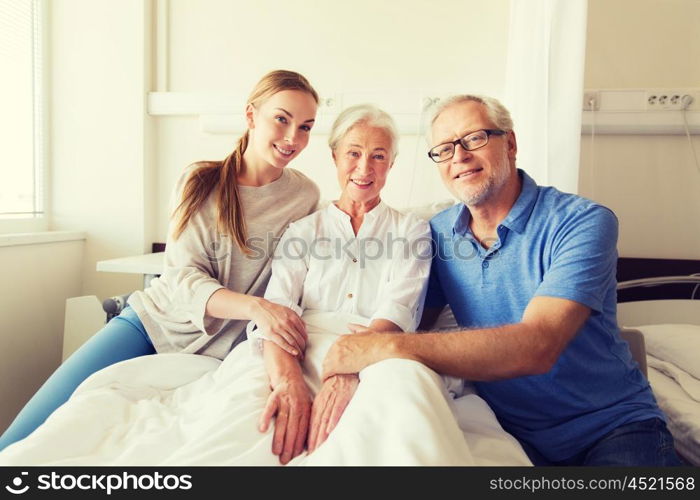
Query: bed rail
(660,280)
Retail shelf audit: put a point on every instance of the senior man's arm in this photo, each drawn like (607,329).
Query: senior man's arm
(530,347)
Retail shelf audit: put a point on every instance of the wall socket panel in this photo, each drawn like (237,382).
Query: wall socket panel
(640,100)
(671,99)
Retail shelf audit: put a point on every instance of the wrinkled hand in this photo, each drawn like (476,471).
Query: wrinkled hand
(352,353)
(290,401)
(329,405)
(282,326)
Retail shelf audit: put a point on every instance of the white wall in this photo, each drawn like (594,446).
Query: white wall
(36,280)
(651,182)
(356,51)
(101,165)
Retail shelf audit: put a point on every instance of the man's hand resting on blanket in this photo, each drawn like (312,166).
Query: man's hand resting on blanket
(290,401)
(366,346)
(329,405)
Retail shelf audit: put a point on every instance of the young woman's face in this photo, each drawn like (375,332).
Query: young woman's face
(280,126)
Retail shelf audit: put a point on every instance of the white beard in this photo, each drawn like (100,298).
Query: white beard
(493,184)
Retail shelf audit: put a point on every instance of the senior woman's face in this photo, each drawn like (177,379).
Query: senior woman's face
(363,159)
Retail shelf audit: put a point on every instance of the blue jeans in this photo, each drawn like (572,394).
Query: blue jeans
(644,443)
(124,337)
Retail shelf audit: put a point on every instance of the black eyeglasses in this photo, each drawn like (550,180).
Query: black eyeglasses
(470,142)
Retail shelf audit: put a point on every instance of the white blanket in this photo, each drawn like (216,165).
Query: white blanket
(682,412)
(685,380)
(179,409)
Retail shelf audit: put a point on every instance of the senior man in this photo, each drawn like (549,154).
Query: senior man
(529,273)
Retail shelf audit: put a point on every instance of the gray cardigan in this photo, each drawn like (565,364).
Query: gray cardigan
(201,261)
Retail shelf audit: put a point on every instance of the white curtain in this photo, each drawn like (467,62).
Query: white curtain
(544,87)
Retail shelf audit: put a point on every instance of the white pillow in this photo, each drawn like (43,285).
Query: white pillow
(675,343)
(425,212)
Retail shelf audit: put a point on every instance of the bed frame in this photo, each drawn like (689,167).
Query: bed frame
(631,269)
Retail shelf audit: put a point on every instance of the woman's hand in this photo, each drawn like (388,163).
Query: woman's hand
(290,402)
(281,325)
(329,405)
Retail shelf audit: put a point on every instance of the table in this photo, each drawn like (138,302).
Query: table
(150,265)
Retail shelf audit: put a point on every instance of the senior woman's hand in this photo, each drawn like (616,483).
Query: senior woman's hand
(290,400)
(329,405)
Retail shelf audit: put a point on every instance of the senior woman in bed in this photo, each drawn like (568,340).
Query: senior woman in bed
(357,256)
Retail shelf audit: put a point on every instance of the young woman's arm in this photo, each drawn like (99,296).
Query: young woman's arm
(278,317)
(284,326)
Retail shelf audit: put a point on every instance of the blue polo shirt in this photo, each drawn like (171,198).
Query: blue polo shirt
(551,244)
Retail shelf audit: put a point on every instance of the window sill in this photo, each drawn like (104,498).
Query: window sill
(17,239)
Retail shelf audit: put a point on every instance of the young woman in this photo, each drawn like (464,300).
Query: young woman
(228,216)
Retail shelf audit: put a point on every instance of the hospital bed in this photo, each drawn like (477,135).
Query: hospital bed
(659,317)
(666,314)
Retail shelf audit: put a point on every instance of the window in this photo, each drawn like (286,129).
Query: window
(22,197)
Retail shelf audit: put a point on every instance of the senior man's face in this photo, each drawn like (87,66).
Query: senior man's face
(363,159)
(473,177)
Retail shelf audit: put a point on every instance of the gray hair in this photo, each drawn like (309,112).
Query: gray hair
(367,114)
(497,112)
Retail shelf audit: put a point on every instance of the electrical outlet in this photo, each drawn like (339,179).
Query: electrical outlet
(591,101)
(671,99)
